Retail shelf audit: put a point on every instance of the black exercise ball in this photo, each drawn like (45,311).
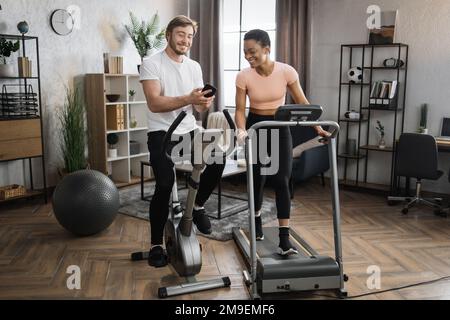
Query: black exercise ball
(85,202)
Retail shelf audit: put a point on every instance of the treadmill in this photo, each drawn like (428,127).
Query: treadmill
(307,270)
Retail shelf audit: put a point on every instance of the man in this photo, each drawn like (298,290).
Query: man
(172,82)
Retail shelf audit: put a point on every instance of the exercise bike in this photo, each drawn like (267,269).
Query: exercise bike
(183,248)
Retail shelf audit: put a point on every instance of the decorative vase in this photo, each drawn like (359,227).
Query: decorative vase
(133,123)
(132,98)
(22,27)
(112,153)
(6,70)
(382,143)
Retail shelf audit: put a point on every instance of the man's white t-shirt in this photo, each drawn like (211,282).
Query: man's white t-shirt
(176,79)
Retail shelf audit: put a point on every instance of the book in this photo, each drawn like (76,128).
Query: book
(115,117)
(376,87)
(21,66)
(24,67)
(393,90)
(384,90)
(29,69)
(115,65)
(106,62)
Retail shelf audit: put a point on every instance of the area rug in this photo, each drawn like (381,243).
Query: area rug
(132,205)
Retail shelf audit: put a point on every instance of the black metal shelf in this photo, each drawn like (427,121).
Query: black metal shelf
(384,68)
(28,194)
(370,187)
(352,120)
(354,84)
(376,148)
(17,37)
(353,157)
(381,109)
(364,45)
(31,192)
(362,55)
(18,78)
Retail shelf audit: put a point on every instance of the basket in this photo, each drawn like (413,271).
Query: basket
(11,191)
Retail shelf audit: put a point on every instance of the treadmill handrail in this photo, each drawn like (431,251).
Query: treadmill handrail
(269,124)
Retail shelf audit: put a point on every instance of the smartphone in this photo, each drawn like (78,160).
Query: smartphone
(209,87)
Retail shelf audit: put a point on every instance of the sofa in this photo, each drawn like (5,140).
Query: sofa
(310,157)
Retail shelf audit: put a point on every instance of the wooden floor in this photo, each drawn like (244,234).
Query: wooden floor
(35,252)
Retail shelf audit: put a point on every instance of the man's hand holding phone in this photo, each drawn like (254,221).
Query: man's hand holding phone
(209,90)
(202,98)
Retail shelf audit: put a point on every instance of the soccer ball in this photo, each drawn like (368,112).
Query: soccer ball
(355,75)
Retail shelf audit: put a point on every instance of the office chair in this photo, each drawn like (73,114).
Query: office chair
(417,157)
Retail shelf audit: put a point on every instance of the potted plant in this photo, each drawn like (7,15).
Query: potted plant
(132,94)
(423,119)
(112,139)
(73,133)
(6,48)
(380,129)
(145,35)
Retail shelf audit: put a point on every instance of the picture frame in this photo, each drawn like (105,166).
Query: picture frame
(386,34)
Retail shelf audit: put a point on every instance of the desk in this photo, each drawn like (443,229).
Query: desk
(231,169)
(443,146)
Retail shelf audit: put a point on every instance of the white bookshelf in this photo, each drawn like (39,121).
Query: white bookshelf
(125,168)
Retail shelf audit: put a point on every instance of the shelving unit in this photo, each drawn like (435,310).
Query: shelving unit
(355,96)
(125,168)
(21,132)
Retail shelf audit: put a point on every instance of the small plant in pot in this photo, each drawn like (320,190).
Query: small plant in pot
(132,94)
(423,119)
(380,129)
(6,48)
(112,139)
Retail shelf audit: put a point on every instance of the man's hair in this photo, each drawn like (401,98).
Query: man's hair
(260,36)
(181,21)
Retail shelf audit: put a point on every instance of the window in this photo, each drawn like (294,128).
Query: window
(241,16)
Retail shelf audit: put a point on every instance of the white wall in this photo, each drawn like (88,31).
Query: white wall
(422,24)
(65,58)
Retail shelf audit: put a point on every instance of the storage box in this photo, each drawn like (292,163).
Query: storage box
(115,117)
(383,104)
(135,147)
(11,191)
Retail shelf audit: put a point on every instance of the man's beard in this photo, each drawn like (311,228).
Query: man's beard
(173,46)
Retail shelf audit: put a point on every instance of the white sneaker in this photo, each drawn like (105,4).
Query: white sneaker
(288,252)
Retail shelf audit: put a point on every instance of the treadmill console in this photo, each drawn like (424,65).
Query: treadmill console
(298,113)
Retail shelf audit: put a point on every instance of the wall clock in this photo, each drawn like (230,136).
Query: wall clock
(62,22)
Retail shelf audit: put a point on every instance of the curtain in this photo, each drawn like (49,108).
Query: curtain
(207,46)
(293,29)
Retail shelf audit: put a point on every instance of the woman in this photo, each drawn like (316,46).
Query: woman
(266,83)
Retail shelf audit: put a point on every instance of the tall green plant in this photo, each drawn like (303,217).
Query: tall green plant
(145,35)
(73,132)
